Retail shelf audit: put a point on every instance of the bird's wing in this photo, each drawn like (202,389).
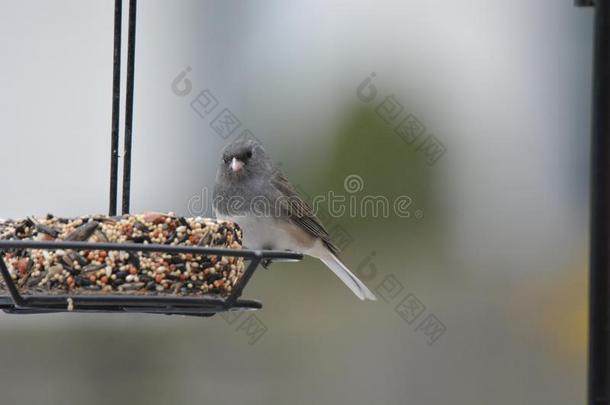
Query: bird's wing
(293,206)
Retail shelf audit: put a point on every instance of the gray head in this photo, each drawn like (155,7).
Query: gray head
(242,160)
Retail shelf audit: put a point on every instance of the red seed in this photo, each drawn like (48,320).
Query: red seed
(22,266)
(154,217)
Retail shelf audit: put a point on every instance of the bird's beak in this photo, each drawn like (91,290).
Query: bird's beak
(236,165)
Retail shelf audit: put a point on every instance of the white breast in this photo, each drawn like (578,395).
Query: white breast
(260,232)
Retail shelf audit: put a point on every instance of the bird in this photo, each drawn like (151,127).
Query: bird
(251,191)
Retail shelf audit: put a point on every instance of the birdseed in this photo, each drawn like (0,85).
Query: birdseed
(98,271)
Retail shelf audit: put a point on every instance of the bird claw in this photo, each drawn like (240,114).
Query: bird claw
(266,263)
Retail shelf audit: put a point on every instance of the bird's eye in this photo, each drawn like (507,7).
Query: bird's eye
(226,160)
(249,154)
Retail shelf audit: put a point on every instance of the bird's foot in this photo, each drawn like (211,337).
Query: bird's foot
(266,263)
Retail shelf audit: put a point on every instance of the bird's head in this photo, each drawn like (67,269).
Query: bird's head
(243,159)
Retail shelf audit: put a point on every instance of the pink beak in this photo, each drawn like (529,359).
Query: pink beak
(236,165)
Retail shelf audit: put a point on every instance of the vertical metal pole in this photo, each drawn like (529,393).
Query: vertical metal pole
(116,103)
(131,50)
(599,280)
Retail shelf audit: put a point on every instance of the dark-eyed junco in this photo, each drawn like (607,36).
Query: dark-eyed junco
(252,192)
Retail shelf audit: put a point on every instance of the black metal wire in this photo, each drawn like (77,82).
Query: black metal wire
(149,247)
(599,278)
(116,105)
(131,50)
(17,303)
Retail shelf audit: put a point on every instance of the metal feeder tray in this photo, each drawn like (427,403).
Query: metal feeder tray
(16,303)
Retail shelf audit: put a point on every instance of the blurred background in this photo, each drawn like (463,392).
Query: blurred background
(482,288)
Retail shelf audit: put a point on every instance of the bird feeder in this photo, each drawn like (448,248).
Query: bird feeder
(18,300)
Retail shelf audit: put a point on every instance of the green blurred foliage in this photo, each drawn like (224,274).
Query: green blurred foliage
(367,146)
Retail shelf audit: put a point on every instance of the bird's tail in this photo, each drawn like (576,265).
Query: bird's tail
(348,278)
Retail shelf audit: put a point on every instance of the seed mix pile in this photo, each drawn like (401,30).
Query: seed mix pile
(62,271)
